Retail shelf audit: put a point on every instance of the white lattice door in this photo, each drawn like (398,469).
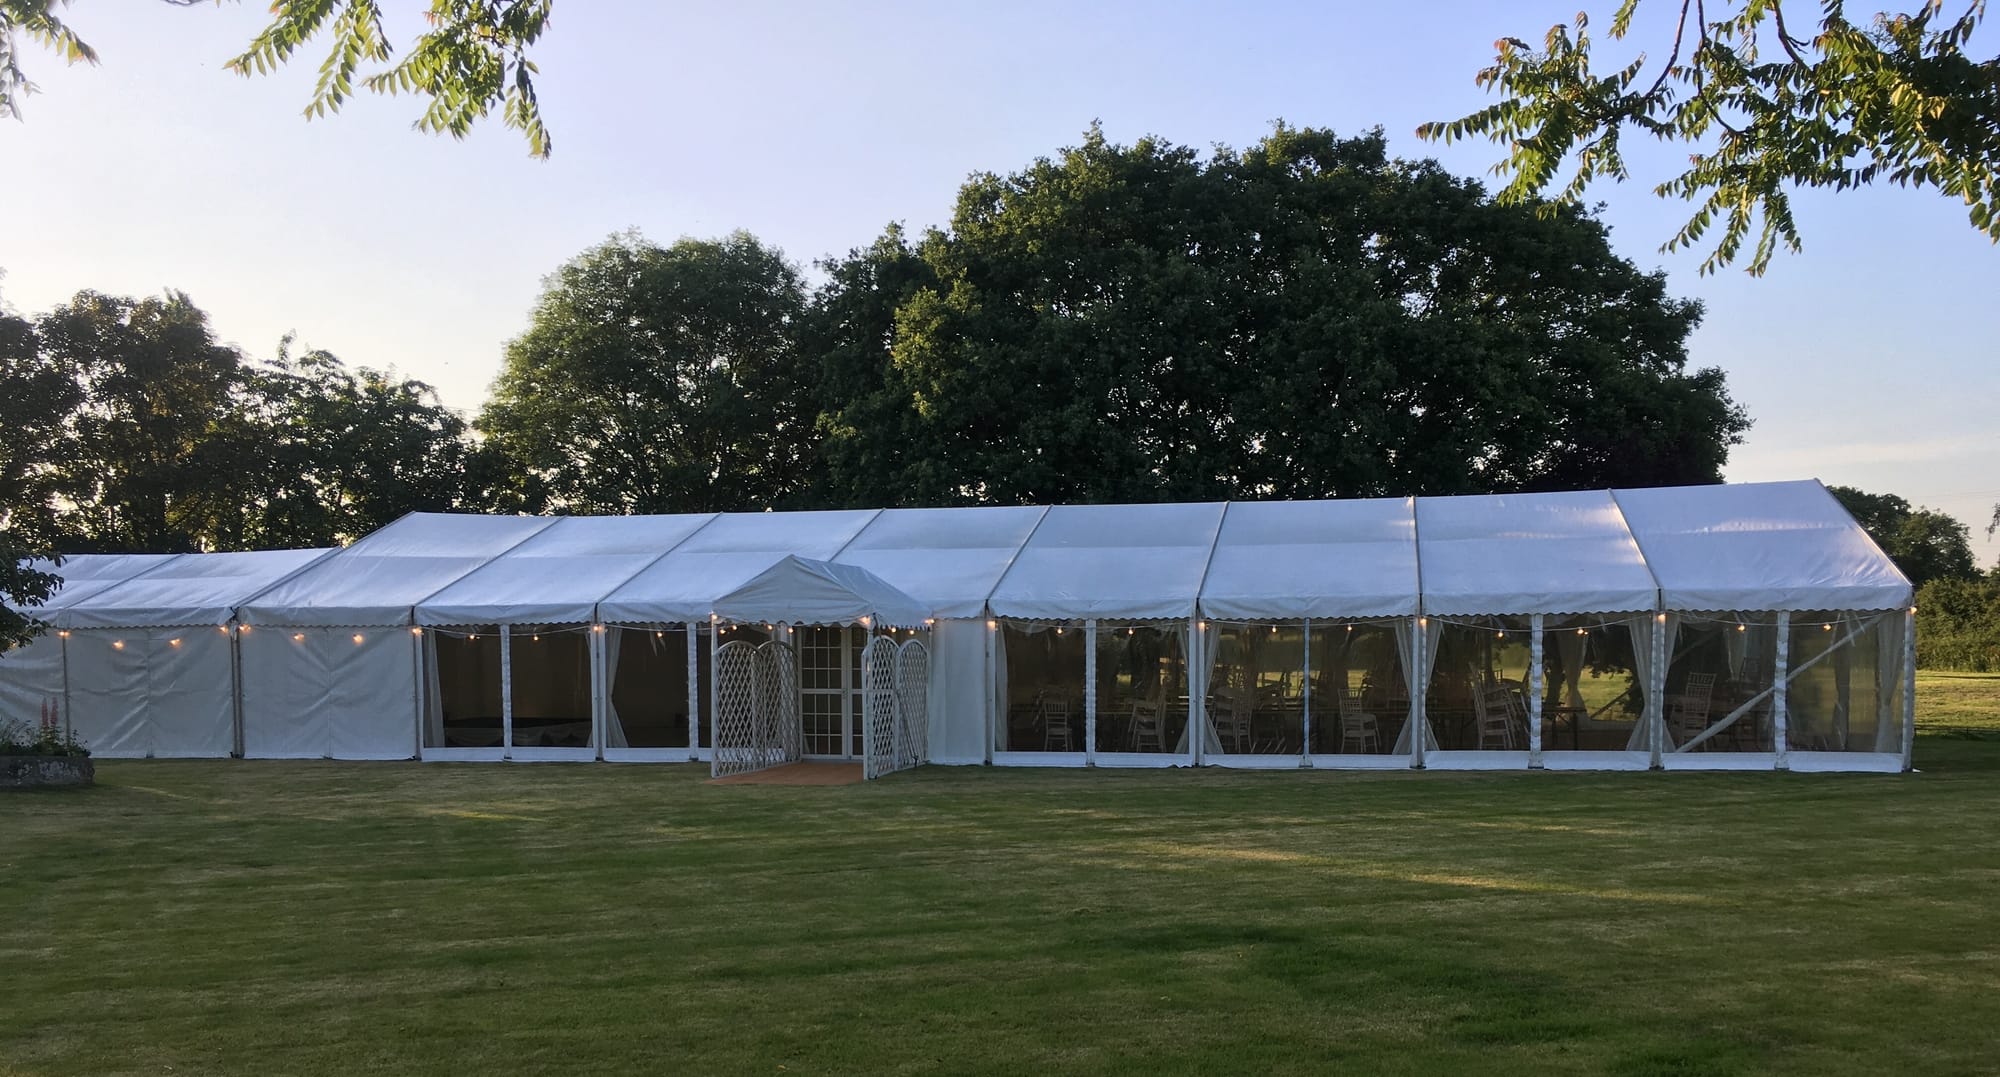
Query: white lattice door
(830,691)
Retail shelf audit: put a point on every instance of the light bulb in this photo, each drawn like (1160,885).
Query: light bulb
(173,643)
(298,637)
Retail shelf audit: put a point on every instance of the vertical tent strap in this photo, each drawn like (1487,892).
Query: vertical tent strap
(1535,623)
(1779,719)
(506,690)
(1090,691)
(1306,697)
(993,701)
(1909,684)
(693,642)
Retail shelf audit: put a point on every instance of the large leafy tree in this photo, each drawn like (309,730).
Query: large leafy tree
(345,451)
(472,60)
(157,445)
(1769,105)
(1306,318)
(660,379)
(38,395)
(1926,544)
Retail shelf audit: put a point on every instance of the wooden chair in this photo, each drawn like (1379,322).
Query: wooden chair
(1687,713)
(1493,714)
(1358,728)
(1149,730)
(1056,735)
(1230,715)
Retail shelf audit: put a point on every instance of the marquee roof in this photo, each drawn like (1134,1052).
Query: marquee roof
(1762,546)
(192,589)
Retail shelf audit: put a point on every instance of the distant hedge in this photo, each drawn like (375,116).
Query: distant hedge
(1958,624)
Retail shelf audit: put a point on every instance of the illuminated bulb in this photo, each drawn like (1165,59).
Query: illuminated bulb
(64,633)
(534,639)
(991,625)
(416,631)
(597,628)
(224,630)
(173,643)
(1201,626)
(357,637)
(1583,631)
(1829,628)
(117,644)
(475,635)
(298,637)
(243,628)
(1274,630)
(1499,635)
(928,621)
(864,622)
(659,635)
(1059,630)
(1743,628)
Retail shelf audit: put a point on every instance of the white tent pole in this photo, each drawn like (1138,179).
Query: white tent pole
(1090,692)
(1780,740)
(714,678)
(1420,719)
(418,641)
(693,642)
(598,690)
(1656,691)
(506,691)
(1909,684)
(1535,691)
(235,689)
(1306,699)
(63,648)
(992,685)
(1197,677)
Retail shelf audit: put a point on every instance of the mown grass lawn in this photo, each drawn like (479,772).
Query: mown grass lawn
(270,918)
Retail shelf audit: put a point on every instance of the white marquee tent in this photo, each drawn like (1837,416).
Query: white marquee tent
(1750,626)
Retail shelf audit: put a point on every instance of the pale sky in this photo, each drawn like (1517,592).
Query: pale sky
(1868,360)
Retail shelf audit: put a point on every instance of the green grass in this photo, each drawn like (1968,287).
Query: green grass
(272,918)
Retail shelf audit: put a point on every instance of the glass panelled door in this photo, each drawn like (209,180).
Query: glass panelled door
(830,686)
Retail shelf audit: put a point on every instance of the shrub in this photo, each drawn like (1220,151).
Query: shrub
(47,738)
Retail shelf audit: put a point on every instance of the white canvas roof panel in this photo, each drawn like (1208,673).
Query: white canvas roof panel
(1760,546)
(193,589)
(1288,560)
(379,579)
(86,574)
(947,559)
(797,590)
(1117,562)
(558,575)
(734,547)
(1501,554)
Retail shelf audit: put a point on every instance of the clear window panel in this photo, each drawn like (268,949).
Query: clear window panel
(1256,698)
(1478,698)
(1044,689)
(1719,696)
(1360,694)
(1845,690)
(467,680)
(649,696)
(551,685)
(1592,696)
(1142,703)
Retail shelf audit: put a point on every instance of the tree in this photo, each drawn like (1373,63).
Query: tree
(1307,318)
(157,452)
(1925,544)
(660,379)
(345,452)
(1958,623)
(37,396)
(472,60)
(1768,110)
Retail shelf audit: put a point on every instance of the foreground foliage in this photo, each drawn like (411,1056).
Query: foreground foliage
(1824,101)
(354,918)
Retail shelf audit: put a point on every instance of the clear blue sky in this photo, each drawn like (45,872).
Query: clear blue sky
(1868,360)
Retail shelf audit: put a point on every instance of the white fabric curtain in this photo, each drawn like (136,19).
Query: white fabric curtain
(1843,677)
(1888,683)
(1572,646)
(433,695)
(614,730)
(1420,679)
(1651,700)
(1735,647)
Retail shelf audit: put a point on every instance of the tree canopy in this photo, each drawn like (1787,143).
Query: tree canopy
(472,60)
(659,379)
(1306,318)
(1769,105)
